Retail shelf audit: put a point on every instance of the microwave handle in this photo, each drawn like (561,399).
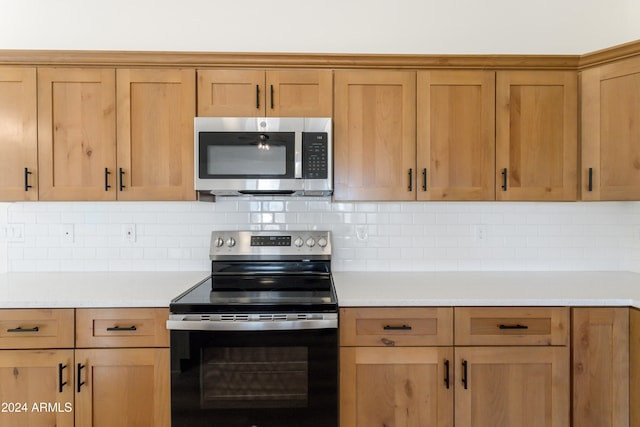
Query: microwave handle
(298,155)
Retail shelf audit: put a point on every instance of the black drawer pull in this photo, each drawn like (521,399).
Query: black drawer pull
(80,383)
(61,384)
(120,329)
(518,326)
(397,328)
(20,329)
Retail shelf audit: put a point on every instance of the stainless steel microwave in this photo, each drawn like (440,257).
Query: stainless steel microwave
(263,156)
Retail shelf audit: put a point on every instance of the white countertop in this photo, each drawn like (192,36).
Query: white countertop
(354,289)
(94,289)
(601,288)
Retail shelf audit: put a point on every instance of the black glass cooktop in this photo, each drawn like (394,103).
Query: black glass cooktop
(259,293)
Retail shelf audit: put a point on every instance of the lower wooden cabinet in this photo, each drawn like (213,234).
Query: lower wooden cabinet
(36,388)
(519,375)
(123,387)
(600,367)
(512,386)
(124,383)
(396,386)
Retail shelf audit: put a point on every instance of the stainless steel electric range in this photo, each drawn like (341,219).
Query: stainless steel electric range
(256,343)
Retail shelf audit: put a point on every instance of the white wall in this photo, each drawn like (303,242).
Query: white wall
(427,236)
(399,236)
(352,26)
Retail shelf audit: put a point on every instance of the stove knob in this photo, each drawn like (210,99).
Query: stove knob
(322,242)
(298,242)
(311,242)
(231,242)
(219,242)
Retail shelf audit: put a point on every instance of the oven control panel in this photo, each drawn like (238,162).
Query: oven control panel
(270,243)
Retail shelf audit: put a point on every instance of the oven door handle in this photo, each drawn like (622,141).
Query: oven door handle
(284,325)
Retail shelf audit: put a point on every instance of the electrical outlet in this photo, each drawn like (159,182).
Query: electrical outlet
(12,233)
(129,232)
(68,235)
(480,232)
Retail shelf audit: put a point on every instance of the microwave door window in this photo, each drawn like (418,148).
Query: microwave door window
(247,155)
(245,160)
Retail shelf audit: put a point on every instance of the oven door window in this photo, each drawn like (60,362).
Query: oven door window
(269,155)
(261,378)
(254,377)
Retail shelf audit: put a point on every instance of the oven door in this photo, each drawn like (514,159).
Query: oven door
(266,378)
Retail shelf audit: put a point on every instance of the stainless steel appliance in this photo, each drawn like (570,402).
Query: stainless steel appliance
(256,343)
(263,156)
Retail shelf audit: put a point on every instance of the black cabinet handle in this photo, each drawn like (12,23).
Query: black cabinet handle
(257,96)
(504,179)
(80,383)
(397,328)
(518,326)
(271,95)
(424,179)
(26,179)
(410,179)
(447,379)
(118,328)
(121,174)
(61,384)
(464,374)
(106,179)
(590,179)
(21,329)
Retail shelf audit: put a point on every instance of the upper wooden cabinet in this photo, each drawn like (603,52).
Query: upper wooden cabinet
(255,93)
(76,133)
(18,134)
(455,135)
(611,131)
(155,113)
(84,155)
(536,135)
(375,135)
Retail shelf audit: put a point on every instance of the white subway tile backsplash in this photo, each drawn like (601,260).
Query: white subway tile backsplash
(409,236)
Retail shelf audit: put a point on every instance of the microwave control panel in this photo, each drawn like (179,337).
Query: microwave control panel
(315,155)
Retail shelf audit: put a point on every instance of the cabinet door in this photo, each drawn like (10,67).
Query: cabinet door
(512,386)
(611,131)
(456,135)
(156,109)
(231,93)
(76,134)
(123,387)
(600,367)
(18,134)
(374,135)
(634,368)
(398,386)
(36,388)
(536,135)
(299,93)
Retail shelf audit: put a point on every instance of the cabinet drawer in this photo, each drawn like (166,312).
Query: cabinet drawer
(396,326)
(512,326)
(36,328)
(122,327)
